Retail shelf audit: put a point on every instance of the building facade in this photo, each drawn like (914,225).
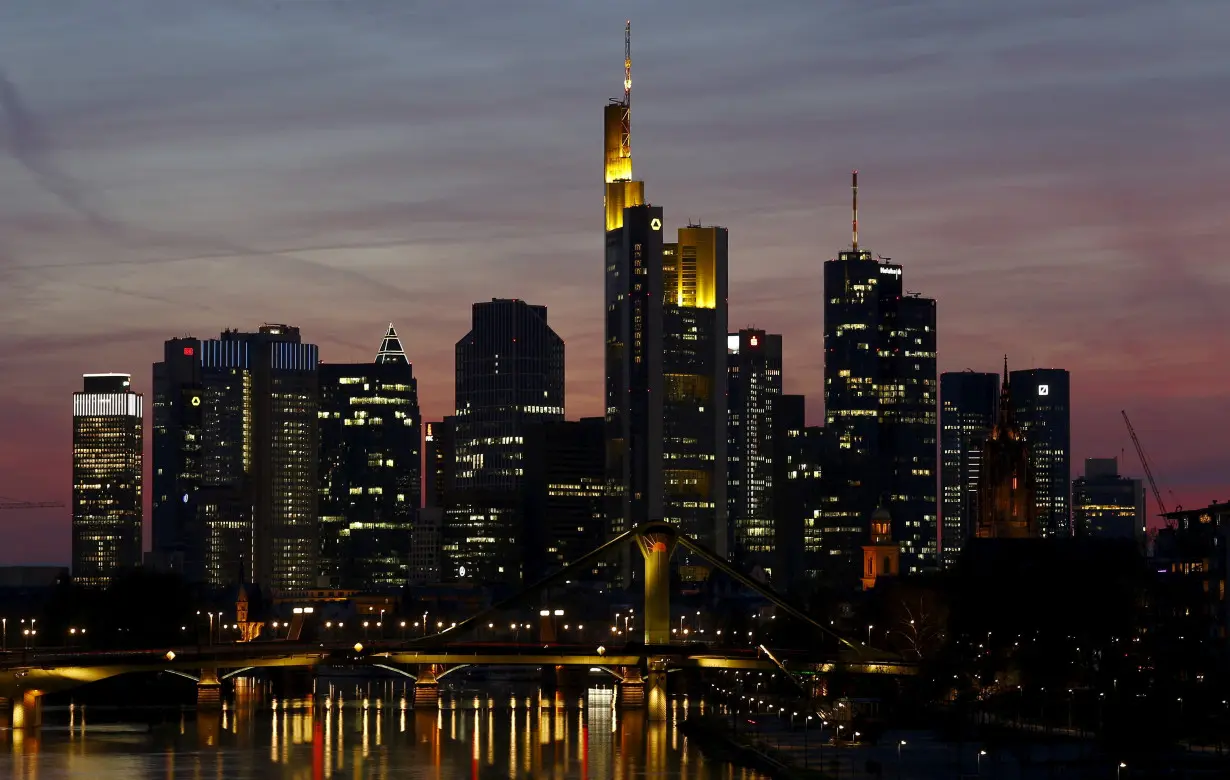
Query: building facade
(439,459)
(250,515)
(564,494)
(369,469)
(754,371)
(1106,505)
(881,396)
(1042,407)
(816,500)
(510,374)
(426,545)
(108,457)
(969,402)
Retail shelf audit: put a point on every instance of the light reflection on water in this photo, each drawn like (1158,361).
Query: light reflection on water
(370,731)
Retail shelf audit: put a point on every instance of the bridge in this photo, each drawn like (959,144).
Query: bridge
(639,669)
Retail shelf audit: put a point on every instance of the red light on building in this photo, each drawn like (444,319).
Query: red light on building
(188,351)
(755,341)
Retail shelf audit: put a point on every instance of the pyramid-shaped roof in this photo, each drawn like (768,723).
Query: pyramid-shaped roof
(390,349)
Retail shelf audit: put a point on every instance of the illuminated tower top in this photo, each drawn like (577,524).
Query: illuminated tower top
(621,190)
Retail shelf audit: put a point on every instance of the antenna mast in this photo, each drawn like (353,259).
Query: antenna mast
(854,177)
(626,130)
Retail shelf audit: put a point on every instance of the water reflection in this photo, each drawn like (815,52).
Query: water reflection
(368,730)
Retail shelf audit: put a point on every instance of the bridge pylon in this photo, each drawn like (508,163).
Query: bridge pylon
(657,542)
(209,691)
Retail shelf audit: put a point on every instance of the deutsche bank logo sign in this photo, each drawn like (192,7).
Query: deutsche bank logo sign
(1044,389)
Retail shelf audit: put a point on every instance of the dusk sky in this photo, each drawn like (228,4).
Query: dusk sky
(1059,179)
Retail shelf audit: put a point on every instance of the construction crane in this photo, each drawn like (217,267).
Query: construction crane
(1144,463)
(10,504)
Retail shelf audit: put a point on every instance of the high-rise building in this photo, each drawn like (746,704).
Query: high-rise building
(440,459)
(694,409)
(634,376)
(510,374)
(817,496)
(564,493)
(370,463)
(252,515)
(880,393)
(178,451)
(754,371)
(107,473)
(1006,507)
(1106,505)
(968,403)
(1041,400)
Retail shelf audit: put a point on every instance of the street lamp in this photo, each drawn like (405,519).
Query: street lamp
(981,753)
(1119,769)
(869,627)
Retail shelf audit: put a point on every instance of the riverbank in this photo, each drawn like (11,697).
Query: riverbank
(718,741)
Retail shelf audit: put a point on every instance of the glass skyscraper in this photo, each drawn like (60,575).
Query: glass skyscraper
(107,478)
(246,496)
(968,406)
(510,373)
(370,464)
(754,371)
(1041,399)
(880,394)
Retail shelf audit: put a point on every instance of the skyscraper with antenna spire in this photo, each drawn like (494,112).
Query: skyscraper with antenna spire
(666,327)
(880,393)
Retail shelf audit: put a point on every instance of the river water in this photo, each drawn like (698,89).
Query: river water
(364,730)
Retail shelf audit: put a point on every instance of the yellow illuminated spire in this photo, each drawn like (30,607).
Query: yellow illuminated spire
(621,190)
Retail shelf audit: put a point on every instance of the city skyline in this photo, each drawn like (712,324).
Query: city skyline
(104,179)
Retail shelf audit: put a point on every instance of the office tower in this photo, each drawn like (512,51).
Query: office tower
(880,392)
(634,376)
(426,546)
(510,374)
(1106,505)
(694,409)
(564,494)
(107,472)
(754,371)
(439,457)
(1006,506)
(968,404)
(370,463)
(817,498)
(1041,405)
(252,516)
(178,449)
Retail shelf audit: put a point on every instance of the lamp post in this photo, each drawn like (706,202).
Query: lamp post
(869,627)
(900,744)
(1119,770)
(981,753)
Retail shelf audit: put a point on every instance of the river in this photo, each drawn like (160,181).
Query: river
(363,730)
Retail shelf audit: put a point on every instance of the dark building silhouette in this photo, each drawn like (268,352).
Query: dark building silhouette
(754,371)
(564,493)
(969,403)
(253,514)
(817,489)
(880,394)
(370,464)
(439,458)
(179,537)
(510,374)
(1006,508)
(634,374)
(107,478)
(1042,407)
(1106,505)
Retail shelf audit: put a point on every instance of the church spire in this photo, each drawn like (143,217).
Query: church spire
(1006,424)
(390,348)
